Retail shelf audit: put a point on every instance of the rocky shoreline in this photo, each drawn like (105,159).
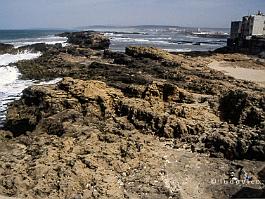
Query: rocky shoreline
(116,122)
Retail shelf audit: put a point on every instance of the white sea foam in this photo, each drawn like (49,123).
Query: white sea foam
(9,83)
(29,41)
(110,34)
(178,50)
(191,37)
(125,39)
(210,44)
(54,81)
(6,59)
(139,41)
(161,38)
(10,88)
(8,75)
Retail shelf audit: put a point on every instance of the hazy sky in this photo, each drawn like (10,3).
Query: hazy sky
(74,13)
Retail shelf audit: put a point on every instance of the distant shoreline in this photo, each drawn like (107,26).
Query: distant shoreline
(115,26)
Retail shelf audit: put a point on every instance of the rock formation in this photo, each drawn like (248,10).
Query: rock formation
(126,125)
(5,48)
(158,108)
(88,39)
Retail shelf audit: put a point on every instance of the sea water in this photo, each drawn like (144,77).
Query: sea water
(176,39)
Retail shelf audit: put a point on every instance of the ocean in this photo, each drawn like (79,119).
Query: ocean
(173,39)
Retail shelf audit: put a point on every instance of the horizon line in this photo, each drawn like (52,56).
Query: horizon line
(108,26)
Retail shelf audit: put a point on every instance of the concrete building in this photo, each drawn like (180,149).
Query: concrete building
(257,24)
(253,25)
(248,35)
(235,29)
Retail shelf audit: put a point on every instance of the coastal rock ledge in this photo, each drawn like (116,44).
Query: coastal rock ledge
(159,109)
(84,139)
(143,123)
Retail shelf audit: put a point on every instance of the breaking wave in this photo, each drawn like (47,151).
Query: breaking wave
(29,41)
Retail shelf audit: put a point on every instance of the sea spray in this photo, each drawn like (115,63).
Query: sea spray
(6,59)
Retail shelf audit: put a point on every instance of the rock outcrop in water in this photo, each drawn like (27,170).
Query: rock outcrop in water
(38,47)
(126,125)
(87,39)
(5,48)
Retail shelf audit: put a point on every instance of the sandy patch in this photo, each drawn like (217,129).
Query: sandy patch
(249,74)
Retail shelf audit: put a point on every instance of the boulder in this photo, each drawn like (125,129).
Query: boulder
(262,55)
(5,48)
(148,52)
(41,105)
(88,39)
(40,47)
(240,144)
(240,107)
(37,102)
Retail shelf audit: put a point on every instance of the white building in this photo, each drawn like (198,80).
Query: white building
(258,25)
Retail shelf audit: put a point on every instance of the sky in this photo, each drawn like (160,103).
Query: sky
(19,14)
